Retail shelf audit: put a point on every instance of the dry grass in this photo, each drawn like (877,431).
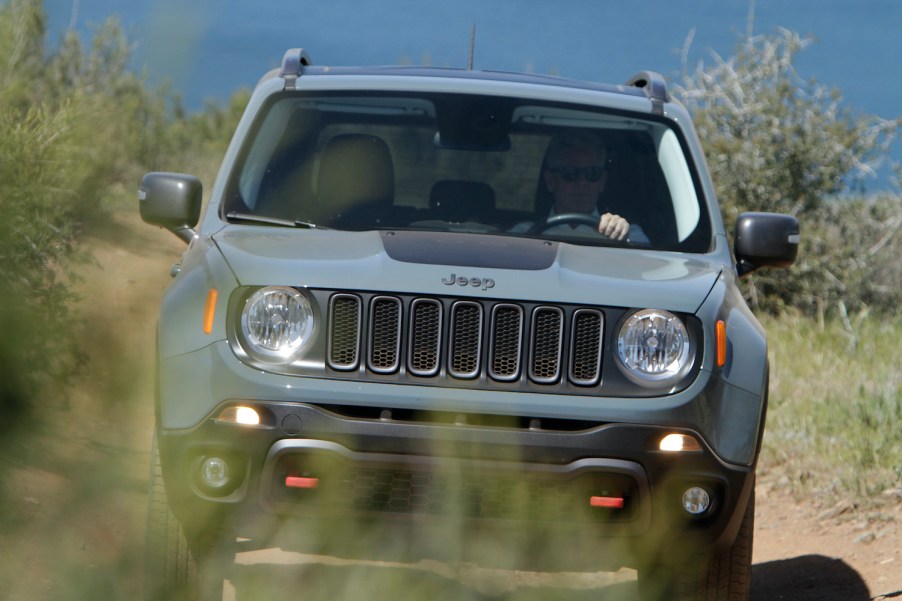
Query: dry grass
(834,427)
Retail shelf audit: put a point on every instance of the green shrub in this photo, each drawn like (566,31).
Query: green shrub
(77,131)
(36,245)
(776,142)
(69,134)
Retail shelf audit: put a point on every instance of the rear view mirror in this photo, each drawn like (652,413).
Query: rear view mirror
(765,240)
(172,201)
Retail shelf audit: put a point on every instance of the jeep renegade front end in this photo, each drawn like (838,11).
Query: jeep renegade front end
(383,341)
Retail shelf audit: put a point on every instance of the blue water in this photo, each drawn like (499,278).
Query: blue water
(209,48)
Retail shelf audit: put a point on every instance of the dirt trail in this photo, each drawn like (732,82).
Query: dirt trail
(75,491)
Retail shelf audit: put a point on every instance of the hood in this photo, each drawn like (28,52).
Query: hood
(472,265)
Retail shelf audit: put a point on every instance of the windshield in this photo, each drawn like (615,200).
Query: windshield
(470,163)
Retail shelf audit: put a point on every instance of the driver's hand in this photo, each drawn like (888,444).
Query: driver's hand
(613,226)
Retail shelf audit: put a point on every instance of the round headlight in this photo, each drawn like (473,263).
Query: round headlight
(277,322)
(653,346)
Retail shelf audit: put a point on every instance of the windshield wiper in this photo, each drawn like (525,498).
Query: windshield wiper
(250,217)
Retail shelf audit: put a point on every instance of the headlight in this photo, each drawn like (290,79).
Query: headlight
(653,347)
(277,322)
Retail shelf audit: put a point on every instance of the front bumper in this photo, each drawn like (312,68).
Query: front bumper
(406,486)
(194,385)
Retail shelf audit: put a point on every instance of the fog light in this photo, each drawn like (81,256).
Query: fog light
(214,472)
(246,416)
(696,500)
(675,443)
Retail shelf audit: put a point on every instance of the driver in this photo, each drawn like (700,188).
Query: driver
(575,175)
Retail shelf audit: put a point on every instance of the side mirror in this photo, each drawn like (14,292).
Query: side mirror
(765,240)
(172,201)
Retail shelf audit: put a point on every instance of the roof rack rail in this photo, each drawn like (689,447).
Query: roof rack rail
(293,64)
(655,87)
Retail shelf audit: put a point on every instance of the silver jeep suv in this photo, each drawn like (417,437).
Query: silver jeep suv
(394,335)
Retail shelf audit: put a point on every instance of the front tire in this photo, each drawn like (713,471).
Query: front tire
(175,570)
(723,577)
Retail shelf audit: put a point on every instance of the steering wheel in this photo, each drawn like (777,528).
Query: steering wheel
(565,218)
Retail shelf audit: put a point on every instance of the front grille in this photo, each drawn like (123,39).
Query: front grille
(465,340)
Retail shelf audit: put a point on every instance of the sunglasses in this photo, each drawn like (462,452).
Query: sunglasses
(571,174)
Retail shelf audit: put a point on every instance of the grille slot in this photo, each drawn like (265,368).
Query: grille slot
(344,336)
(585,347)
(507,342)
(385,335)
(464,339)
(547,339)
(425,337)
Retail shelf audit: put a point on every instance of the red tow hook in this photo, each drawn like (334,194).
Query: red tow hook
(607,502)
(301,482)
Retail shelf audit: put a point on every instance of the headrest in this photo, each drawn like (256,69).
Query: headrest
(355,169)
(458,200)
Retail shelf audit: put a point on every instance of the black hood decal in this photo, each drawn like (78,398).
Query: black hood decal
(469,250)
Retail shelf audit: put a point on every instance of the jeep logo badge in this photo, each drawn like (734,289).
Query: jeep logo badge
(460,280)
